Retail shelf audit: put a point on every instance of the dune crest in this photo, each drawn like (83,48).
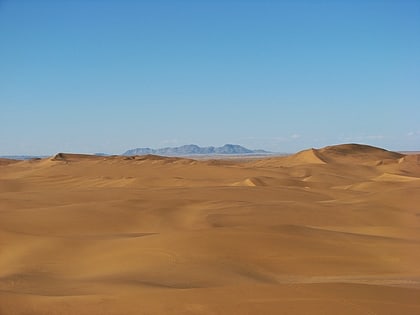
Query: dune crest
(310,156)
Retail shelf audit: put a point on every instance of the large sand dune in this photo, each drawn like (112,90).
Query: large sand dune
(326,231)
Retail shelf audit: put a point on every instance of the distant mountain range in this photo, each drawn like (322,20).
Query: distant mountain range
(192,149)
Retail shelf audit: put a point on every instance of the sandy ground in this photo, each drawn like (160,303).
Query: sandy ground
(329,231)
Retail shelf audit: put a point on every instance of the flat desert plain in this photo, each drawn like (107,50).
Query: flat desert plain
(327,231)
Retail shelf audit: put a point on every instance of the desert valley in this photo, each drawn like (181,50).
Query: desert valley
(325,231)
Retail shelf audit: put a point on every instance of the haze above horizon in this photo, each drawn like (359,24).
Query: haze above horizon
(108,76)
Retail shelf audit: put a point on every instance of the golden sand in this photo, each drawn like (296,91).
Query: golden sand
(329,231)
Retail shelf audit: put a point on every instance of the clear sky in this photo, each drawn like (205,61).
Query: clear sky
(110,75)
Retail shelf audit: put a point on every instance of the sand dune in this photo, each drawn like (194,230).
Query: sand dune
(305,157)
(325,231)
(7,161)
(356,153)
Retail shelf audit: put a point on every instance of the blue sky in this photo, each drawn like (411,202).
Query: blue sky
(106,76)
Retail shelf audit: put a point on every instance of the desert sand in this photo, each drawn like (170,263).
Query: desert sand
(325,231)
